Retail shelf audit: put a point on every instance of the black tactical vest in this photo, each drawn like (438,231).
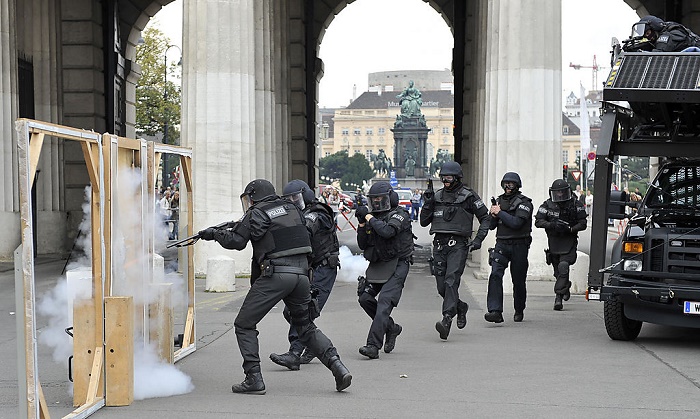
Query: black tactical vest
(287,234)
(506,233)
(324,242)
(452,217)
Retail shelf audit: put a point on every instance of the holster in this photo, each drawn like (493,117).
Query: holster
(547,256)
(314,308)
(431,260)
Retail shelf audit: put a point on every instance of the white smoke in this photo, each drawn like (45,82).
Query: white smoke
(351,266)
(155,378)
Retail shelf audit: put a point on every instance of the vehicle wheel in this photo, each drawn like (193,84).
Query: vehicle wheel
(618,326)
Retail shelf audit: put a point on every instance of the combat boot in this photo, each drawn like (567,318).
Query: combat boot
(518,316)
(567,294)
(370,351)
(390,341)
(253,383)
(494,317)
(558,305)
(307,356)
(462,308)
(443,326)
(340,372)
(289,359)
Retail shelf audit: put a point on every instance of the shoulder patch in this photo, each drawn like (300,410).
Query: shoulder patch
(276,211)
(398,217)
(542,210)
(478,203)
(524,207)
(311,216)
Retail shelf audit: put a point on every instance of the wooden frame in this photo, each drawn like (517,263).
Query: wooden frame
(106,157)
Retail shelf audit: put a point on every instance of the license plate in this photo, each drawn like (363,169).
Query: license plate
(691,307)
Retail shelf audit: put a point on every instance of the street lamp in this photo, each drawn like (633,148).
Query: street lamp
(166,174)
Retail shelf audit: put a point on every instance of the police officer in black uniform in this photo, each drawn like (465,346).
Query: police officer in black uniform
(665,36)
(562,217)
(450,212)
(281,246)
(511,216)
(324,262)
(385,236)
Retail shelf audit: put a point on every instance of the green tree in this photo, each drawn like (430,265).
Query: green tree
(350,170)
(158,97)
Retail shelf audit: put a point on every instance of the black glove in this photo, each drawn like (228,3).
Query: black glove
(561,227)
(428,196)
(207,233)
(475,245)
(361,212)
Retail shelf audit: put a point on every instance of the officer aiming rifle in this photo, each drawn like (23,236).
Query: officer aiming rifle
(195,238)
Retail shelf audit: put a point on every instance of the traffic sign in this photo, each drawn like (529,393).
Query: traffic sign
(591,155)
(576,174)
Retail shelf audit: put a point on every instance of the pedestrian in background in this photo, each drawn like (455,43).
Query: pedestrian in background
(562,216)
(415,204)
(511,217)
(281,245)
(450,212)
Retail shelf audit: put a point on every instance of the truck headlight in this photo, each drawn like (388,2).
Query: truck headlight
(632,265)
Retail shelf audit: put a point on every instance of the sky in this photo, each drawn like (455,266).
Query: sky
(367,37)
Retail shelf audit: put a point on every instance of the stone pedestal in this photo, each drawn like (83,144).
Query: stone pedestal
(410,138)
(221,274)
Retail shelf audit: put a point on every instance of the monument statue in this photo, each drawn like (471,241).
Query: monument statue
(410,101)
(410,164)
(436,163)
(382,164)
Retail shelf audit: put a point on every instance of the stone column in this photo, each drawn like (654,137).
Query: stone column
(219,113)
(9,193)
(522,113)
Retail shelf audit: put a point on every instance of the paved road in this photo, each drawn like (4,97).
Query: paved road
(554,364)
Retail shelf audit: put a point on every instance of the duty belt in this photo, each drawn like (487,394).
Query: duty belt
(449,241)
(268,270)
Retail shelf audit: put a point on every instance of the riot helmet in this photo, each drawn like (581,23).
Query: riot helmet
(451,174)
(648,27)
(256,191)
(511,183)
(380,197)
(560,191)
(299,193)
(394,199)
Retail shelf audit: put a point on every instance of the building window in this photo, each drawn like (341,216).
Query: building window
(578,154)
(381,131)
(345,112)
(357,112)
(369,131)
(566,129)
(356,131)
(565,156)
(358,152)
(345,131)
(369,112)
(381,112)
(368,154)
(328,153)
(445,130)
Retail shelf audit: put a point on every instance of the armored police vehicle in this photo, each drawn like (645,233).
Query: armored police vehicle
(650,107)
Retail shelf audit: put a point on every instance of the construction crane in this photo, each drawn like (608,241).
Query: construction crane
(594,68)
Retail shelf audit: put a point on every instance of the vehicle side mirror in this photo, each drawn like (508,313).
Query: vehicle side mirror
(617,204)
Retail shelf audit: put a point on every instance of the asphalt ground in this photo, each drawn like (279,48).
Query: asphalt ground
(553,364)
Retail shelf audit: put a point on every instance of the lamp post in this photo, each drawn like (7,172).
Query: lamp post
(166,174)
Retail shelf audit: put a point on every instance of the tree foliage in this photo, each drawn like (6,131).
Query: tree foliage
(350,170)
(158,95)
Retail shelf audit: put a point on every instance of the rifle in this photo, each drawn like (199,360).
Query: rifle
(194,238)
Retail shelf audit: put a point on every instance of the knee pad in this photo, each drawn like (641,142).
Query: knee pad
(563,268)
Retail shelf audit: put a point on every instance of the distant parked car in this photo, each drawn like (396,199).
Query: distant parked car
(405,198)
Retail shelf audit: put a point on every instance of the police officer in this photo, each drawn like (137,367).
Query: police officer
(385,236)
(562,217)
(324,262)
(665,36)
(281,245)
(450,212)
(511,216)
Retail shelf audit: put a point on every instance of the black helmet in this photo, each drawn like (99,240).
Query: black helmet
(380,197)
(560,191)
(394,199)
(298,192)
(511,177)
(451,168)
(256,191)
(646,23)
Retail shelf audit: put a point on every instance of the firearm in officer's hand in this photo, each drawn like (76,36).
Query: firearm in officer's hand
(430,192)
(194,238)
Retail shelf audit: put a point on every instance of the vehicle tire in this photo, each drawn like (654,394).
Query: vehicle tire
(618,326)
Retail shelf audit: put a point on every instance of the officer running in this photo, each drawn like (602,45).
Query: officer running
(450,212)
(386,238)
(281,245)
(562,217)
(511,216)
(324,262)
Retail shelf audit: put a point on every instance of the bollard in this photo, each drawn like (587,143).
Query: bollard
(221,274)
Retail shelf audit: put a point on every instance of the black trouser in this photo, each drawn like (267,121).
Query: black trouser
(263,295)
(448,267)
(324,278)
(515,254)
(378,300)
(561,264)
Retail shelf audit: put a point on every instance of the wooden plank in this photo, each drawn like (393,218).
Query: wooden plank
(86,409)
(119,351)
(92,162)
(160,316)
(35,145)
(95,376)
(188,338)
(83,347)
(61,131)
(43,408)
